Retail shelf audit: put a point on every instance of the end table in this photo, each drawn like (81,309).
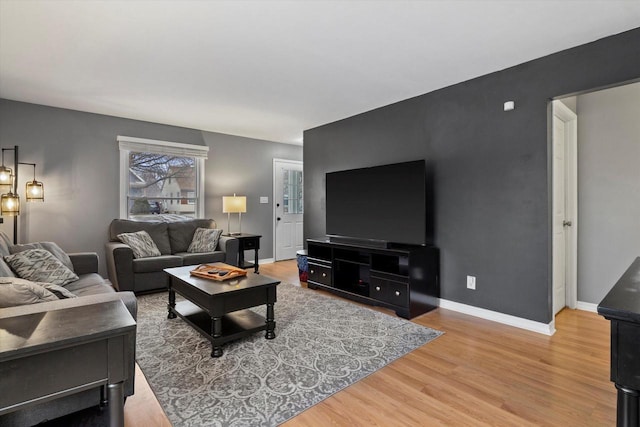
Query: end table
(247,242)
(51,354)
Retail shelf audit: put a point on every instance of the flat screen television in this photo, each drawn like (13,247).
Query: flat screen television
(381,205)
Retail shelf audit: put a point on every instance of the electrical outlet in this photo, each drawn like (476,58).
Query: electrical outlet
(471,282)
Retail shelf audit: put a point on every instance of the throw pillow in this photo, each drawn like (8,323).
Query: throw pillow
(140,243)
(59,291)
(205,240)
(15,291)
(52,247)
(39,265)
(5,270)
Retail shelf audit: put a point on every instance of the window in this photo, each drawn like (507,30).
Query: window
(292,191)
(152,172)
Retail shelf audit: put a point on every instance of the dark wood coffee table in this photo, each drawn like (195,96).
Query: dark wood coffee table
(219,310)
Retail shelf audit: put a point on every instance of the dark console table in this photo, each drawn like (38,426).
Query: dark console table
(52,354)
(402,278)
(622,307)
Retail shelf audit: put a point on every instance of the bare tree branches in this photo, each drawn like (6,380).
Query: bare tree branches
(155,169)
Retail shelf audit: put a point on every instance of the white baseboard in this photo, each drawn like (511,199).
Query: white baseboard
(266,261)
(587,306)
(507,319)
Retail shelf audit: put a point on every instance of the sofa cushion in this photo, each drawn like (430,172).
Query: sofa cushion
(181,233)
(140,243)
(55,250)
(40,265)
(90,284)
(157,231)
(201,258)
(59,291)
(205,240)
(95,289)
(158,263)
(15,292)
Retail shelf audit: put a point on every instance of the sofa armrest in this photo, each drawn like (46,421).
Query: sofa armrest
(120,265)
(230,246)
(84,262)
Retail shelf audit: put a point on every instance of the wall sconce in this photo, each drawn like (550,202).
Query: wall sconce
(234,204)
(34,189)
(10,202)
(6,176)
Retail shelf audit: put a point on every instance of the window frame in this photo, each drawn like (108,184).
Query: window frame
(127,144)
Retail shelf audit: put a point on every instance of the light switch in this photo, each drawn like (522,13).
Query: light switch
(264,199)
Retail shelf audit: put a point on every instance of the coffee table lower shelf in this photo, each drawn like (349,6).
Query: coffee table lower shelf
(235,325)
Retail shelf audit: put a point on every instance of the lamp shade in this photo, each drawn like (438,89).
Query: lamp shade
(6,176)
(35,191)
(10,204)
(234,204)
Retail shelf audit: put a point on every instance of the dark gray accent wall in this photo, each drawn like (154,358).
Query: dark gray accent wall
(490,168)
(245,166)
(77,158)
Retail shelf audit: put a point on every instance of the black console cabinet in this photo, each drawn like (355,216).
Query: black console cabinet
(622,307)
(402,278)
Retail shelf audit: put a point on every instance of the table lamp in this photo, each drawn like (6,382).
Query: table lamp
(234,204)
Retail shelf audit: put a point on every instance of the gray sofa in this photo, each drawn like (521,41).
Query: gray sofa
(172,239)
(90,288)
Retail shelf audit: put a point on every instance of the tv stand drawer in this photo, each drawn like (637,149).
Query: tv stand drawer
(389,291)
(320,273)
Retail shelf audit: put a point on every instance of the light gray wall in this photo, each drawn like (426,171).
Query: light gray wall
(244,166)
(77,158)
(608,188)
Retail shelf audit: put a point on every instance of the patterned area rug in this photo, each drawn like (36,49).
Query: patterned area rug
(322,345)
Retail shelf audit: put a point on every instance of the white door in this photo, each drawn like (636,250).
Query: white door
(289,206)
(559,217)
(564,207)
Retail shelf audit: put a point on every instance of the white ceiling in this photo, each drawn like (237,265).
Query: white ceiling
(271,69)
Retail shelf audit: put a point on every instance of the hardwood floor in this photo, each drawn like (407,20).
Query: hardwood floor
(479,373)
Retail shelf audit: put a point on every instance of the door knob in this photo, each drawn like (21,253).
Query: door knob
(566,223)
(278,218)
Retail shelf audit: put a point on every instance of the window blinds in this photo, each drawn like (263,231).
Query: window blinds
(142,145)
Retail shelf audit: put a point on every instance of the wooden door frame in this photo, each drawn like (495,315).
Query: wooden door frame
(570,119)
(273,222)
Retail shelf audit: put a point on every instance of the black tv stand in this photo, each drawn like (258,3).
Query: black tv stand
(403,278)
